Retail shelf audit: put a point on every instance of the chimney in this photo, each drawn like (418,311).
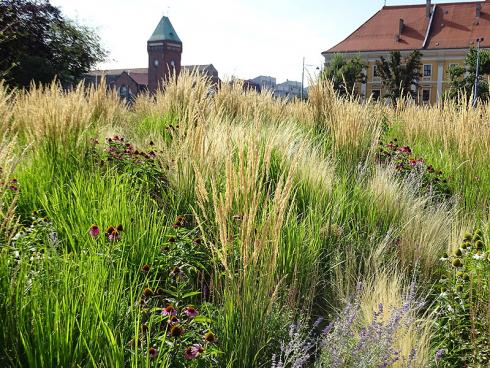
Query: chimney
(428,8)
(402,27)
(478,10)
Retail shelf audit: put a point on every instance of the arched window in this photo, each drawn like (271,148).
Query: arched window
(123,91)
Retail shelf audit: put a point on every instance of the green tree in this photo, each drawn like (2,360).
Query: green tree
(344,73)
(462,77)
(38,44)
(399,76)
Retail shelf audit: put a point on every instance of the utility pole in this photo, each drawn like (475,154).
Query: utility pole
(477,73)
(303,78)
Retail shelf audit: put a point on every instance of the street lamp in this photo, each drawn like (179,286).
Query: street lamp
(303,76)
(477,73)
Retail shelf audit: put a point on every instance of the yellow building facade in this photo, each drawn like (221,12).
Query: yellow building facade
(443,33)
(433,83)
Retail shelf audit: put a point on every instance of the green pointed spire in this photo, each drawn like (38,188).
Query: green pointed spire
(164,32)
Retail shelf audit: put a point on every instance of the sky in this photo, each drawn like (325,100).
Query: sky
(241,38)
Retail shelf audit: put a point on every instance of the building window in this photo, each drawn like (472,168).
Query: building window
(427,70)
(426,95)
(376,93)
(375,71)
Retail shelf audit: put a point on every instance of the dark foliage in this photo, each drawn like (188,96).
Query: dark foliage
(344,73)
(398,76)
(462,77)
(38,44)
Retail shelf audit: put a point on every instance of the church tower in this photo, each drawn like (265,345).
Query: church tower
(164,53)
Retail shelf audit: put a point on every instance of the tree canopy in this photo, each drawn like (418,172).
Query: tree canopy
(344,73)
(462,77)
(398,76)
(38,44)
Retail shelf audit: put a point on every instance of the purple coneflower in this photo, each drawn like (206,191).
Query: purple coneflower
(190,311)
(114,236)
(169,310)
(94,231)
(405,149)
(193,351)
(152,352)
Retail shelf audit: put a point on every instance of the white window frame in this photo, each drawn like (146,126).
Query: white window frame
(423,70)
(375,68)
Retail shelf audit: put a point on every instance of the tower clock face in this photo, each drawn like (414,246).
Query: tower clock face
(155,63)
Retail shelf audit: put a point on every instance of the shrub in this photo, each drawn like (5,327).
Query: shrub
(350,342)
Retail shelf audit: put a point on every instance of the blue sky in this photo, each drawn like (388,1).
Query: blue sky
(243,38)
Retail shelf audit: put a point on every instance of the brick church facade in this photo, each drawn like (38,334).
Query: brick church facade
(164,58)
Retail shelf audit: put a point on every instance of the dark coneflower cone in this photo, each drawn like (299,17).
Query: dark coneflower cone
(209,337)
(172,320)
(176,272)
(479,245)
(457,263)
(176,331)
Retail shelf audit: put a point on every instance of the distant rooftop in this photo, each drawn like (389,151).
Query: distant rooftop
(140,75)
(407,27)
(164,32)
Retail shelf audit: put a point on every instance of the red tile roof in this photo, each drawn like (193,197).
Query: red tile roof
(453,26)
(456,25)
